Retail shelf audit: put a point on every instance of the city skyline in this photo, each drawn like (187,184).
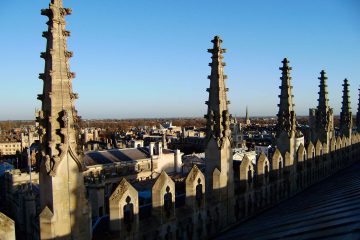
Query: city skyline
(155,64)
(64,178)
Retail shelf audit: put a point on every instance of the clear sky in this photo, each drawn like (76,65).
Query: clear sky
(143,58)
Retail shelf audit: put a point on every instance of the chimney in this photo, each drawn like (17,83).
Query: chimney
(151,148)
(159,148)
(178,161)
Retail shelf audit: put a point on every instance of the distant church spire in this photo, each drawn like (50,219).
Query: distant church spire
(346,115)
(65,213)
(286,115)
(358,115)
(247,118)
(218,118)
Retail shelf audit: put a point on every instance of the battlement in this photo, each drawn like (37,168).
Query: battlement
(181,209)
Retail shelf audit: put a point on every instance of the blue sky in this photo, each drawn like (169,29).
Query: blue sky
(148,58)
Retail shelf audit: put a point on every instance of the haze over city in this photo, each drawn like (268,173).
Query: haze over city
(133,62)
(172,136)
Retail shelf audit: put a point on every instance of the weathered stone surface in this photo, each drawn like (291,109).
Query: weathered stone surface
(124,210)
(218,153)
(195,188)
(346,114)
(322,124)
(163,197)
(62,190)
(7,228)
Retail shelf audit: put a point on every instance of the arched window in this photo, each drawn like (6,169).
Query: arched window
(280,168)
(128,214)
(266,171)
(249,175)
(168,202)
(199,193)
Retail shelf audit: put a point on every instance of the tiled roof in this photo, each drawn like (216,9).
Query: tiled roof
(115,155)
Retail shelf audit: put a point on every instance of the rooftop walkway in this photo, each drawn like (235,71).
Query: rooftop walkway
(328,210)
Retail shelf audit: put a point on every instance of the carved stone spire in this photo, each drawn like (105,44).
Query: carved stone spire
(358,115)
(58,116)
(62,190)
(323,105)
(286,115)
(287,137)
(218,120)
(324,115)
(345,114)
(218,153)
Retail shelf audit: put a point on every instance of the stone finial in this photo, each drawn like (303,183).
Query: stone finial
(57,2)
(61,154)
(346,114)
(218,153)
(286,115)
(322,119)
(217,114)
(323,108)
(57,97)
(323,93)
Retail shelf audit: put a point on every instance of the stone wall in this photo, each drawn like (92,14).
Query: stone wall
(259,187)
(7,228)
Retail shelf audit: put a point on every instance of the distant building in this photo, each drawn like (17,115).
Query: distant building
(190,160)
(29,137)
(106,168)
(236,133)
(192,132)
(263,148)
(133,163)
(240,153)
(21,201)
(10,147)
(90,134)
